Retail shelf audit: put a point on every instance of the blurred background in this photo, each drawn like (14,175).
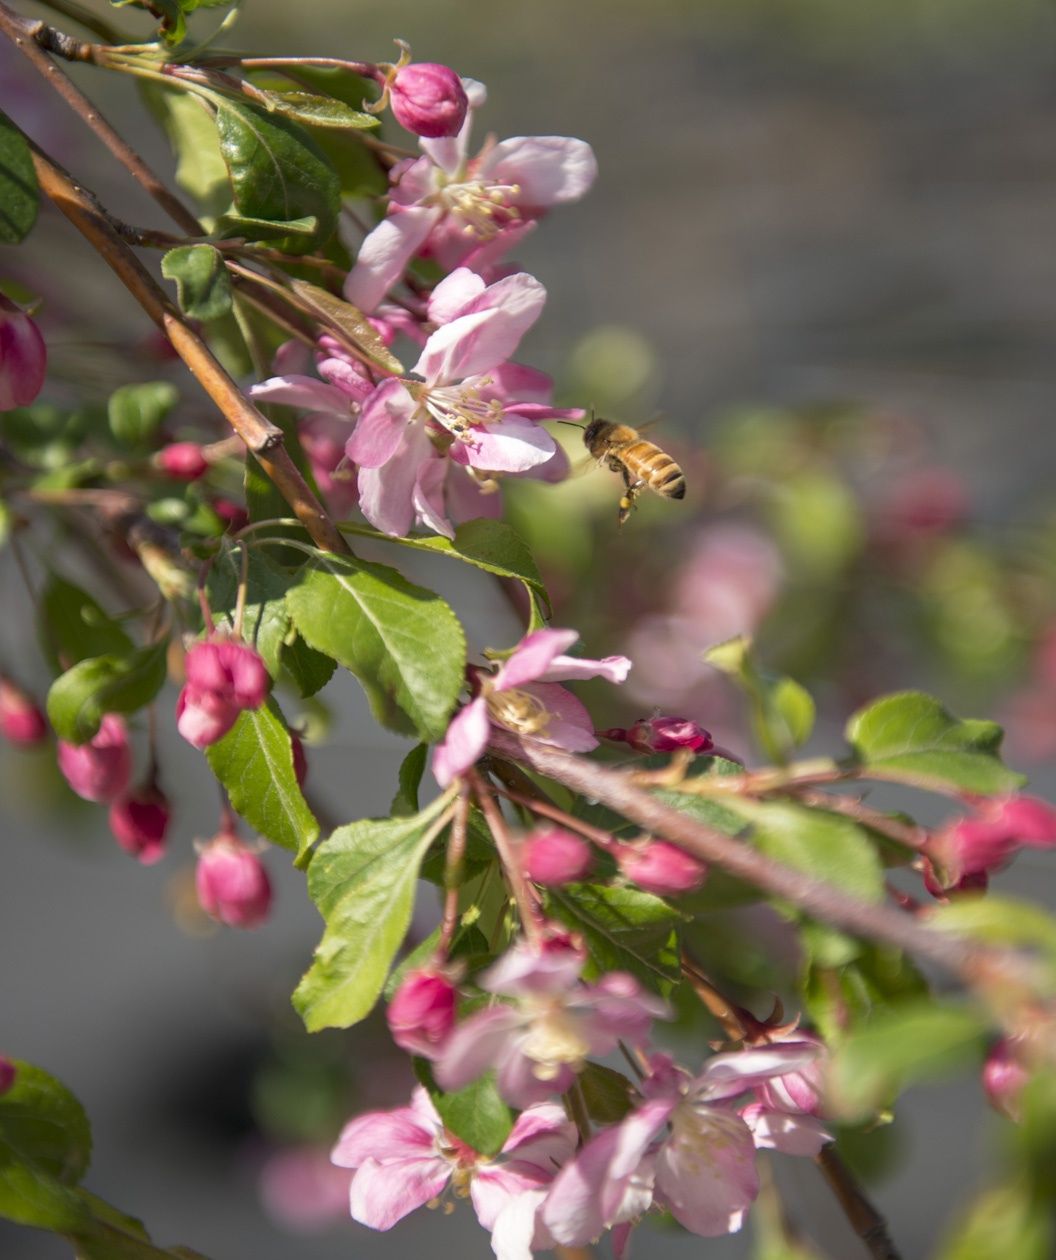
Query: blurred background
(819,252)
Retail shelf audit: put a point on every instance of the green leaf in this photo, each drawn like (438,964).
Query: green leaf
(911,738)
(254,762)
(782,711)
(188,122)
(309,669)
(136,411)
(1007,1221)
(266,620)
(607,1093)
(348,322)
(43,436)
(405,802)
(75,627)
(840,998)
(104,684)
(320,111)
(362,878)
(403,643)
(230,226)
(998,921)
(277,172)
(791,705)
(625,930)
(45,1145)
(477,1114)
(203,287)
(19,194)
(917,1042)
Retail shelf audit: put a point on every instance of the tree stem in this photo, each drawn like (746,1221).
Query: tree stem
(865,1220)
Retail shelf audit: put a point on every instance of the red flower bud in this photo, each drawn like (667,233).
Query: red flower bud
(234,516)
(428,99)
(1004,1076)
(554,857)
(99,770)
(23,357)
(222,678)
(968,848)
(422,1012)
(232,882)
(140,822)
(183,461)
(661,868)
(8,1072)
(666,734)
(21,721)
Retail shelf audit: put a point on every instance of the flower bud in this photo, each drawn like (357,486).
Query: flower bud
(300,761)
(21,721)
(222,678)
(422,1012)
(232,514)
(8,1072)
(661,868)
(183,461)
(1004,1076)
(99,770)
(554,857)
(23,357)
(667,734)
(140,822)
(969,848)
(232,882)
(799,1091)
(428,99)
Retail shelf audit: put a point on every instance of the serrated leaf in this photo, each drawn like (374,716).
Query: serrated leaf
(625,930)
(910,737)
(402,642)
(203,286)
(362,879)
(348,322)
(266,619)
(477,1114)
(136,411)
(412,767)
(75,627)
(277,171)
(898,1047)
(320,111)
(19,193)
(104,684)
(191,129)
(254,762)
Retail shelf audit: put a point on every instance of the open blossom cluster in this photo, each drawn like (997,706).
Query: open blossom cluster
(687,1143)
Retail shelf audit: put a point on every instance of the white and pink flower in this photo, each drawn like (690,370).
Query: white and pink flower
(522,697)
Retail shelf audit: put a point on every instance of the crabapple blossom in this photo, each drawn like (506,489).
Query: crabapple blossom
(554,857)
(521,697)
(232,883)
(422,1012)
(541,1040)
(23,357)
(21,721)
(405,1158)
(223,677)
(661,868)
(140,822)
(428,99)
(100,769)
(302,1190)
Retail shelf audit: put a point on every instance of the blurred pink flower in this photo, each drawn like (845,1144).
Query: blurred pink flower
(302,1190)
(100,769)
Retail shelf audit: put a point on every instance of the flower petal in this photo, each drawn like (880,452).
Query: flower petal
(453,293)
(512,445)
(428,497)
(347,377)
(533,657)
(570,726)
(385,253)
(708,1179)
(523,971)
(474,1046)
(465,741)
(517,381)
(518,1231)
(613,669)
(548,170)
(494,1185)
(727,1075)
(382,425)
(307,393)
(518,1083)
(543,1136)
(467,501)
(780,1131)
(383,1194)
(384,1136)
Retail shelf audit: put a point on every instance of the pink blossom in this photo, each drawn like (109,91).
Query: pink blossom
(302,1190)
(521,697)
(969,848)
(472,409)
(541,1040)
(405,1158)
(683,1148)
(661,868)
(553,857)
(140,822)
(1004,1077)
(100,769)
(232,883)
(223,677)
(467,211)
(184,461)
(8,1074)
(422,1012)
(21,721)
(428,99)
(23,357)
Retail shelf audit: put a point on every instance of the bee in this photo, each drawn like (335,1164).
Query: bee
(641,463)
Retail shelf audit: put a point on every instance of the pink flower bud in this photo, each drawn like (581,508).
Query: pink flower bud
(232,882)
(1004,1076)
(183,461)
(8,1072)
(800,1091)
(989,839)
(661,868)
(99,770)
(428,99)
(554,857)
(233,515)
(21,721)
(23,357)
(422,1012)
(140,822)
(666,734)
(222,678)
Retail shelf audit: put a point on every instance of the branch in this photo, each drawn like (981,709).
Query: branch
(865,1220)
(263,440)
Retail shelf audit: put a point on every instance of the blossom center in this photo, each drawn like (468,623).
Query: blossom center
(555,1038)
(459,408)
(519,711)
(484,208)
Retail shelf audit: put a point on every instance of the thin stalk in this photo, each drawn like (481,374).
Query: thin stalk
(527,906)
(456,850)
(865,1220)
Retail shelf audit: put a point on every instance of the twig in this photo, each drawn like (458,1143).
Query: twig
(527,907)
(456,850)
(262,439)
(865,1220)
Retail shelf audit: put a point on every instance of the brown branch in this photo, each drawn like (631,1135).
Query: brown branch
(32,38)
(1005,975)
(263,439)
(865,1220)
(527,907)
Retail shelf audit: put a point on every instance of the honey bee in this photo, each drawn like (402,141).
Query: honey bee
(640,462)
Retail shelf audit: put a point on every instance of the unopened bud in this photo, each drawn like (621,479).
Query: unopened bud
(554,857)
(428,99)
(799,1091)
(23,357)
(661,868)
(222,678)
(232,882)
(140,822)
(232,514)
(8,1073)
(422,1012)
(668,734)
(968,848)
(21,721)
(99,770)
(1004,1076)
(184,461)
